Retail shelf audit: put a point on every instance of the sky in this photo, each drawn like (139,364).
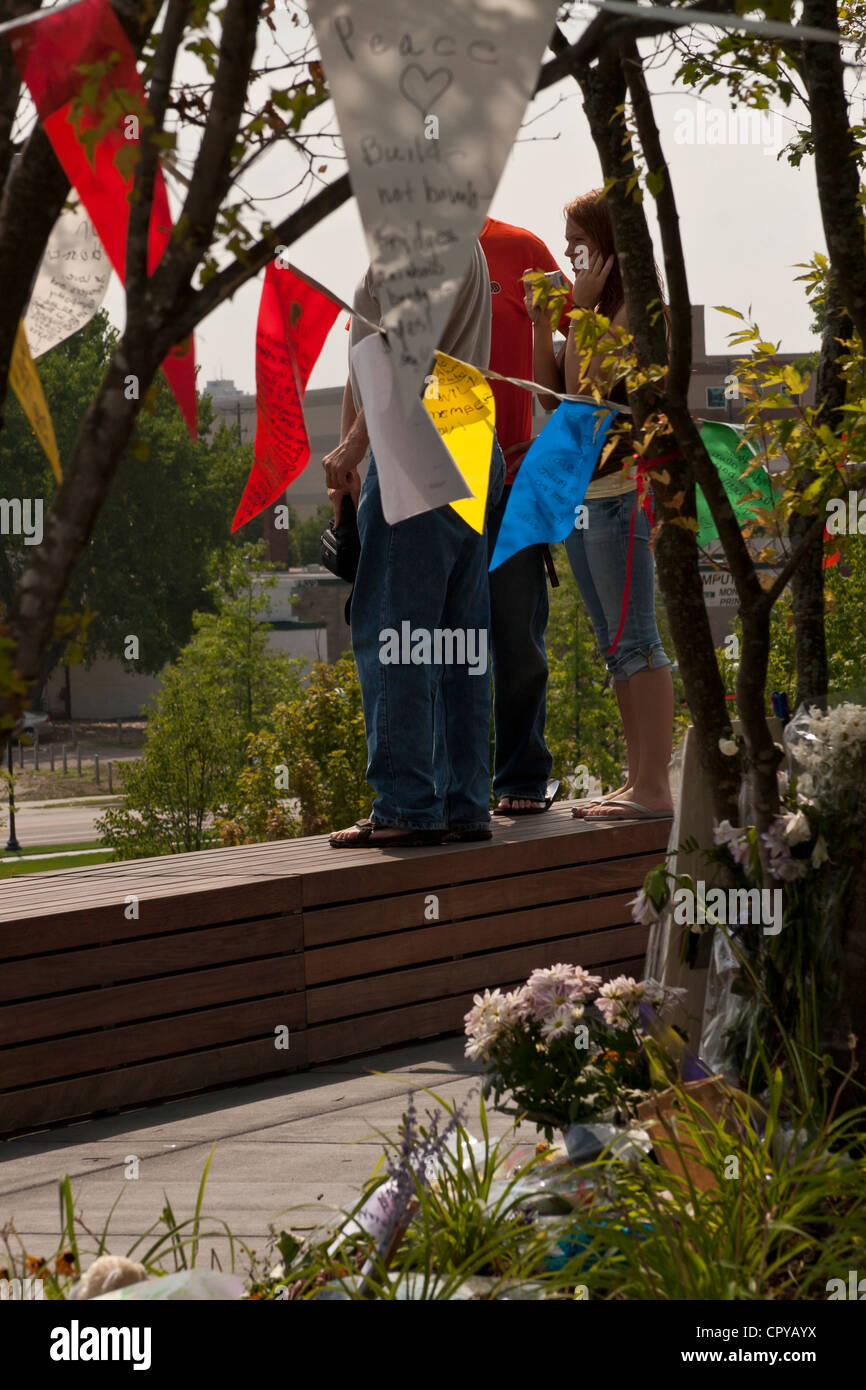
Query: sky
(747,219)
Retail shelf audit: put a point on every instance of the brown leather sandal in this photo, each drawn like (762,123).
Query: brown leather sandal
(395,836)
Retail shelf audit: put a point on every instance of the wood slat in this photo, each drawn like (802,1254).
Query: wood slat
(323,926)
(383,874)
(82,924)
(127,1003)
(150,956)
(374,992)
(151,1081)
(353,960)
(136,1042)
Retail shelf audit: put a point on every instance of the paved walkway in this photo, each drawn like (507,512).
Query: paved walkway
(290,1152)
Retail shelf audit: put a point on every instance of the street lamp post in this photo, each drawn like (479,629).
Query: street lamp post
(12,843)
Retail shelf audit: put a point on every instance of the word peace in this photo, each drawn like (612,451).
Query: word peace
(443,46)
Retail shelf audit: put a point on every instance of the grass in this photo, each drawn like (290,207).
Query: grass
(175,1243)
(97,855)
(55,849)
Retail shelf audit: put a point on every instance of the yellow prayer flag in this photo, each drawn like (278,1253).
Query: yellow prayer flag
(24,380)
(460,403)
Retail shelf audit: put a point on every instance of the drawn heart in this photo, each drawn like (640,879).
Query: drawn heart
(422,88)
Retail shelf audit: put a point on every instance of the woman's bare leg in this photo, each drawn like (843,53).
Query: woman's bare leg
(650,704)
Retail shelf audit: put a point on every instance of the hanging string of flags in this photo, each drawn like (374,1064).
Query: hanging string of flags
(24,380)
(429,101)
(90,133)
(70,285)
(294,321)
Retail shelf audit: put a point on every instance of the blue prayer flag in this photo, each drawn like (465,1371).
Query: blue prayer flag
(552,480)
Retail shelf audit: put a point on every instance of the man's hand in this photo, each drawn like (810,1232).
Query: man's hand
(341,473)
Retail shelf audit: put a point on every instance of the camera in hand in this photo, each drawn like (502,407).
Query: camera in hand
(341,544)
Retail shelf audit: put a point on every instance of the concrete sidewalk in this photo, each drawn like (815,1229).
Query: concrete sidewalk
(290,1152)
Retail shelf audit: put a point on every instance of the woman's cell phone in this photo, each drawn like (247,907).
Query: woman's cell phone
(554,277)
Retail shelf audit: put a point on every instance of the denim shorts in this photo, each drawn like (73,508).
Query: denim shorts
(598,556)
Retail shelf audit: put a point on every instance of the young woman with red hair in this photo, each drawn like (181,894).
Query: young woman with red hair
(598,554)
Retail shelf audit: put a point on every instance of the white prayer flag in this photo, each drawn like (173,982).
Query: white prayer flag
(429,98)
(70,285)
(416,471)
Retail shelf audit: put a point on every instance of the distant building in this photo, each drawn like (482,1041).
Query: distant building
(322,417)
(306,619)
(712,392)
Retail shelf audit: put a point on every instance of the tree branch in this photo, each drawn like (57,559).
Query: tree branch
(212,174)
(200,303)
(769,595)
(138,234)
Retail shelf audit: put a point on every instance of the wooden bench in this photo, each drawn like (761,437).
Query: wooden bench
(124,984)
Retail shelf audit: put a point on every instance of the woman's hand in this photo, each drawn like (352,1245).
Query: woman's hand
(540,314)
(589,283)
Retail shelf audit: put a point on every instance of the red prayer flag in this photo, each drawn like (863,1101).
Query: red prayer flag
(51,54)
(294,321)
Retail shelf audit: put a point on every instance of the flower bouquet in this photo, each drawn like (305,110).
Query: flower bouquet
(795,955)
(565,1047)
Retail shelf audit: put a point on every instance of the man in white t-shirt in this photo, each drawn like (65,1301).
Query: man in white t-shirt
(429,572)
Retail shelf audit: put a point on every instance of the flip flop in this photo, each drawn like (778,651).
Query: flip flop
(636,812)
(538,810)
(409,837)
(579,809)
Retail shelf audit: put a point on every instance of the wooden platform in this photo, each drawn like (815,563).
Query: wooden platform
(128,983)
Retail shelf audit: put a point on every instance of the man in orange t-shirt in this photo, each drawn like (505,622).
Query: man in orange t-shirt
(518,589)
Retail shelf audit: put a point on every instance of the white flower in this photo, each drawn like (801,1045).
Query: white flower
(734,841)
(728,747)
(796,828)
(617,999)
(557,987)
(483,1021)
(513,1007)
(560,1023)
(643,909)
(820,854)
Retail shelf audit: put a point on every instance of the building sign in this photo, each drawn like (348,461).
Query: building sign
(719,588)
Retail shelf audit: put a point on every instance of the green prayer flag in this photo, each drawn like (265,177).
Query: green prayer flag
(730,453)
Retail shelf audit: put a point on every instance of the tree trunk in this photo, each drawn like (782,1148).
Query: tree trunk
(807,583)
(676,557)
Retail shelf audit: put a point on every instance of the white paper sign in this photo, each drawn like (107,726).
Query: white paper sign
(429,96)
(70,285)
(416,471)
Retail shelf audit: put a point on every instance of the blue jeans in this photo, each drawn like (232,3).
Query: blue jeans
(598,557)
(519,610)
(429,573)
